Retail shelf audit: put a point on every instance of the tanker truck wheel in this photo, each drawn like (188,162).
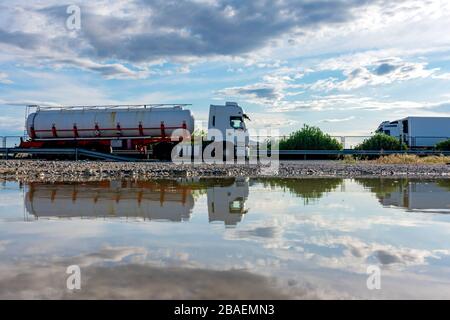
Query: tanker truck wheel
(163,151)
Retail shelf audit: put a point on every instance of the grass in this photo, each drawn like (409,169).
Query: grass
(349,159)
(412,159)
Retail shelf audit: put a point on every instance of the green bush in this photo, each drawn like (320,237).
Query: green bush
(309,138)
(444,145)
(381,141)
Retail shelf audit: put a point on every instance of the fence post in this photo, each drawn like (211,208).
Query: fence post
(4,142)
(257,148)
(76,154)
(6,154)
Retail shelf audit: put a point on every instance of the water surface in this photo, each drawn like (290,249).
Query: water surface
(226,238)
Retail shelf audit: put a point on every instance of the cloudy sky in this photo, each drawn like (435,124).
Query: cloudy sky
(342,65)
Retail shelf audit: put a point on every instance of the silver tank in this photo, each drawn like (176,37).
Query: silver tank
(107,121)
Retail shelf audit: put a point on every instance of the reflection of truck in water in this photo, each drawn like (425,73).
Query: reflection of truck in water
(169,200)
(418,132)
(146,200)
(227,203)
(417,195)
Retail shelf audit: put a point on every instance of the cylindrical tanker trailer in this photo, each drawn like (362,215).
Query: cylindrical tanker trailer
(108,122)
(131,129)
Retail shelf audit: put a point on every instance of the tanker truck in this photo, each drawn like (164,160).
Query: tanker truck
(139,130)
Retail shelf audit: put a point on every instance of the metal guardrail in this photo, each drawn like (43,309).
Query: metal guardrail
(76,152)
(359,152)
(9,147)
(11,141)
(348,142)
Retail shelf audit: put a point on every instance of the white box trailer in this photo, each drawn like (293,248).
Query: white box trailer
(418,132)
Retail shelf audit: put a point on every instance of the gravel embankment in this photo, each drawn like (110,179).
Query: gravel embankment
(26,170)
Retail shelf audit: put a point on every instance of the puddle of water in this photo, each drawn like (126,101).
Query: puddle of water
(226,238)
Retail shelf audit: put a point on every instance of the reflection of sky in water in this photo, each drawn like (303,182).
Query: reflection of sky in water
(234,238)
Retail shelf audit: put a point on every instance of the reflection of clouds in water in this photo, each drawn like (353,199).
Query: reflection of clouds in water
(269,233)
(111,255)
(8,200)
(136,272)
(291,239)
(176,283)
(355,255)
(280,205)
(337,206)
(107,275)
(51,236)
(315,251)
(339,262)
(3,244)
(344,223)
(10,206)
(264,232)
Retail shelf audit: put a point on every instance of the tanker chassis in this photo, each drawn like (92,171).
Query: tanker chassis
(145,131)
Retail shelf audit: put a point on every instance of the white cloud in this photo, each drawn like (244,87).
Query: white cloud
(274,88)
(369,69)
(8,123)
(135,33)
(108,70)
(265,120)
(56,90)
(338,119)
(442,76)
(4,78)
(350,102)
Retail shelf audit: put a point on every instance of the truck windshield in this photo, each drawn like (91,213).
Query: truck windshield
(236,122)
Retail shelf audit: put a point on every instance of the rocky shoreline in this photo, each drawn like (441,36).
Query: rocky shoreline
(26,170)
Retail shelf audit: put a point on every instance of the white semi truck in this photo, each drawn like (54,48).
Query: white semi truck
(133,129)
(418,132)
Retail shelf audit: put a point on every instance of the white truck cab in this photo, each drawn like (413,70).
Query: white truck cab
(227,123)
(391,128)
(226,119)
